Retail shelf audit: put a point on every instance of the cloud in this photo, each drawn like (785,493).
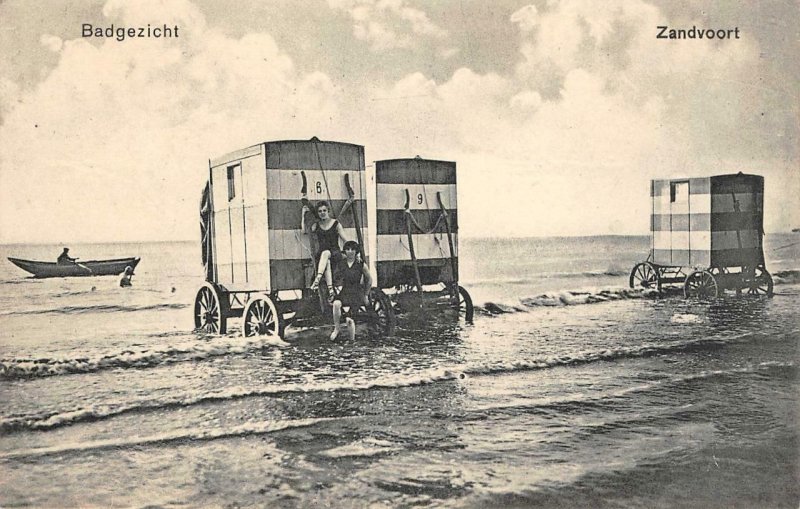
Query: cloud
(51,42)
(120,132)
(561,142)
(9,96)
(389,24)
(594,109)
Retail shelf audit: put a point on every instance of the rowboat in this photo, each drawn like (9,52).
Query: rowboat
(88,268)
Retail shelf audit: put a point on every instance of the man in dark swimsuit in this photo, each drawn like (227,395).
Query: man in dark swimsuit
(353,294)
(65,258)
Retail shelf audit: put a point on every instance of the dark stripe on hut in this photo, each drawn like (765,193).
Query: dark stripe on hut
(393,222)
(415,171)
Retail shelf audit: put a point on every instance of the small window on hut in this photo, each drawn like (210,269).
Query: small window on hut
(679,192)
(231,182)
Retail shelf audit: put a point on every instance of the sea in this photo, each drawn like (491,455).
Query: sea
(568,390)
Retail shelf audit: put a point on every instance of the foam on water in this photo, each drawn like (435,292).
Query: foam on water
(96,308)
(386,380)
(366,447)
(189,350)
(686,318)
(249,429)
(786,277)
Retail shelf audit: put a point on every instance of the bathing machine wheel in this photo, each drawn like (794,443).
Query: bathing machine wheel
(261,318)
(645,275)
(463,302)
(210,310)
(701,284)
(382,314)
(760,284)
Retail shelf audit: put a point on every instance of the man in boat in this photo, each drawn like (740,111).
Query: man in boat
(356,282)
(65,258)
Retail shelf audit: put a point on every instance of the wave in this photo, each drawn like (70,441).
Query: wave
(780,277)
(191,350)
(568,298)
(546,275)
(583,399)
(98,308)
(99,412)
(786,277)
(434,375)
(588,357)
(249,429)
(21,281)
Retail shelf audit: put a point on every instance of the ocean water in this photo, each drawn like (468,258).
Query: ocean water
(568,390)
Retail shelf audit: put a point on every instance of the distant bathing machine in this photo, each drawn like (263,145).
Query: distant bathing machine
(706,235)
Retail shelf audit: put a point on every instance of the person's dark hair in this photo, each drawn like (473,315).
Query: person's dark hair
(322,203)
(350,244)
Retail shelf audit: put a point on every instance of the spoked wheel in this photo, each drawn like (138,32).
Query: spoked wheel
(261,318)
(464,305)
(761,284)
(645,275)
(701,284)
(209,310)
(383,314)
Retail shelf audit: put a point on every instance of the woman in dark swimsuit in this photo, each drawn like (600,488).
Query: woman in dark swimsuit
(353,293)
(328,232)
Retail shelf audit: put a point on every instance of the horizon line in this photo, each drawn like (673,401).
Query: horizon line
(471,237)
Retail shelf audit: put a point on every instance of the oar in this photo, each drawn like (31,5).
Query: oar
(84,267)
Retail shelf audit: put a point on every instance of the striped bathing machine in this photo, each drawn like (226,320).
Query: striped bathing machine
(417,231)
(706,235)
(258,259)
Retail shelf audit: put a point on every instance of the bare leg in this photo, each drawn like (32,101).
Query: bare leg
(324,267)
(329,273)
(351,328)
(337,316)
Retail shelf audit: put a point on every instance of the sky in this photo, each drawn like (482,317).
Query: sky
(557,113)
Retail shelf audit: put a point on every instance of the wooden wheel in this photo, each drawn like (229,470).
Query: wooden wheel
(261,318)
(210,310)
(464,305)
(645,275)
(761,284)
(383,313)
(701,284)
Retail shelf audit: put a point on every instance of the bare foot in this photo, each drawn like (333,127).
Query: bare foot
(315,284)
(335,333)
(351,328)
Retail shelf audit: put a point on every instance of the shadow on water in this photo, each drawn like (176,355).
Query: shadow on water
(725,314)
(435,336)
(404,411)
(378,436)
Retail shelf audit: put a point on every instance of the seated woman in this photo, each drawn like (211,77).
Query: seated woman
(327,232)
(356,282)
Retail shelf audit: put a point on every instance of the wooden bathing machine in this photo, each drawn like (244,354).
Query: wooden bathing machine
(708,222)
(417,233)
(251,211)
(424,190)
(712,226)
